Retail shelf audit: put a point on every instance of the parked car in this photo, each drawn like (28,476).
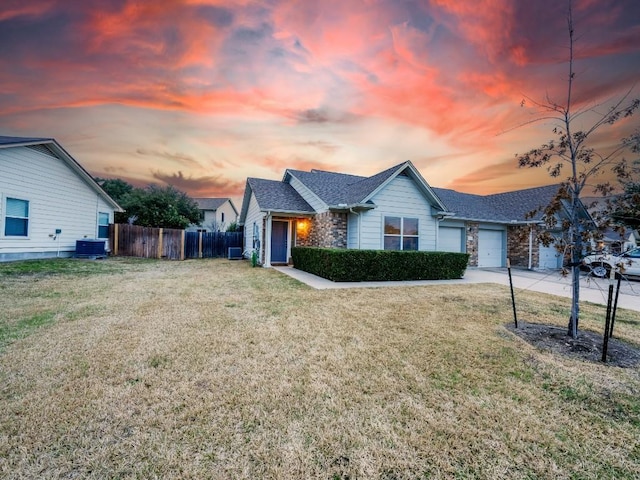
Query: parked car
(601,264)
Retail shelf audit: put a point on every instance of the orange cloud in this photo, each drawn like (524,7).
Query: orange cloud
(207,186)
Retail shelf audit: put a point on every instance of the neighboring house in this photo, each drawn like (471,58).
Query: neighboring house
(47,201)
(615,242)
(217,214)
(615,239)
(397,210)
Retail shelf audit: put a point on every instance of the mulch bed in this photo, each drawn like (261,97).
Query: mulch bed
(588,345)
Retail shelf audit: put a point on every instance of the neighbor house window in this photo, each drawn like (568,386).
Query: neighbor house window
(103,225)
(16,219)
(222,217)
(400,233)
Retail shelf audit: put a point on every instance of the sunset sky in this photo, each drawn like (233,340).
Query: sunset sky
(201,94)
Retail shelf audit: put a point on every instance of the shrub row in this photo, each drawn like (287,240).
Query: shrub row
(344,265)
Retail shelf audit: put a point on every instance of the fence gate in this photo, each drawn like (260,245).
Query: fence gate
(211,244)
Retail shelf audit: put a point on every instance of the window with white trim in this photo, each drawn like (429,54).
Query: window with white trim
(400,233)
(16,218)
(103,225)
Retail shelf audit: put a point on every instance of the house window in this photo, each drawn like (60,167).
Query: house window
(103,225)
(222,217)
(400,233)
(256,236)
(16,220)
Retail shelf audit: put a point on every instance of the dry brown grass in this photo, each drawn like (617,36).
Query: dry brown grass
(212,369)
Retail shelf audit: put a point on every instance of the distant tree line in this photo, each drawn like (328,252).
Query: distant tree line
(152,206)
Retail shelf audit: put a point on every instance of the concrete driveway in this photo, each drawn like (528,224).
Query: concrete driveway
(592,289)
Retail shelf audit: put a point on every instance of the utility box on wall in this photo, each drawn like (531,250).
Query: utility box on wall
(90,248)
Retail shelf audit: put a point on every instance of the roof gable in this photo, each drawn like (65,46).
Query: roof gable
(344,190)
(206,203)
(273,196)
(50,147)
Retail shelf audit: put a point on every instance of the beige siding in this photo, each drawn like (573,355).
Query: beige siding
(58,199)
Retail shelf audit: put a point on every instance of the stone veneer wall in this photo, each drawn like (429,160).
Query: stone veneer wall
(472,229)
(328,230)
(518,247)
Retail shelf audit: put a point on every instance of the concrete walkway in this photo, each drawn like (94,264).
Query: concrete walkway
(593,290)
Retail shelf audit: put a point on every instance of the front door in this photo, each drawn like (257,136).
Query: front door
(279,241)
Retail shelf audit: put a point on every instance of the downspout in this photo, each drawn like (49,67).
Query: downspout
(530,246)
(359,225)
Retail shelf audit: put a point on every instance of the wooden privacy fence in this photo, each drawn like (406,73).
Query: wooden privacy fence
(211,244)
(146,242)
(169,243)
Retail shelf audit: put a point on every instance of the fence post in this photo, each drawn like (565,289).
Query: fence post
(115,239)
(182,246)
(160,243)
(200,244)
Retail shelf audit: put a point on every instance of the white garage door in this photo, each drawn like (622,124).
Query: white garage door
(549,257)
(450,239)
(490,248)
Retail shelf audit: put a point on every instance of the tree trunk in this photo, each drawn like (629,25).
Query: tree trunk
(576,258)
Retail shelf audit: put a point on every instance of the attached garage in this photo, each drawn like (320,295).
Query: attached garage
(491,252)
(451,239)
(550,258)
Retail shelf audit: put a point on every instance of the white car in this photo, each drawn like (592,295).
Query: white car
(601,264)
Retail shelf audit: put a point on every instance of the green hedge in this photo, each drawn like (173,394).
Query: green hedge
(345,265)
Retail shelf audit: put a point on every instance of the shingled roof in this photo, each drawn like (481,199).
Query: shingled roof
(339,189)
(210,203)
(499,207)
(277,196)
(336,189)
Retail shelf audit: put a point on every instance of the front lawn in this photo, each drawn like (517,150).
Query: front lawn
(213,369)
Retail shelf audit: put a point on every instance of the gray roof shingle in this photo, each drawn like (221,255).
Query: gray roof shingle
(340,188)
(278,196)
(499,207)
(210,203)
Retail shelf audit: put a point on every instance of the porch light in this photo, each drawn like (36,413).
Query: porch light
(302,226)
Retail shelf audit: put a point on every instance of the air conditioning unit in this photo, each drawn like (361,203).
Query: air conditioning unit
(235,253)
(90,248)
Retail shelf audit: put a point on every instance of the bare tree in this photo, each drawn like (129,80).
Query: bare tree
(570,150)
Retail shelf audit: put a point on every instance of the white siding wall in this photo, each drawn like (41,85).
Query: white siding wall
(311,198)
(229,214)
(253,215)
(401,198)
(352,230)
(58,199)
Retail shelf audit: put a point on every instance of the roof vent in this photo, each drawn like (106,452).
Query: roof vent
(42,148)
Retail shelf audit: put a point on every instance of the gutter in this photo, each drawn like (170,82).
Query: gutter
(350,207)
